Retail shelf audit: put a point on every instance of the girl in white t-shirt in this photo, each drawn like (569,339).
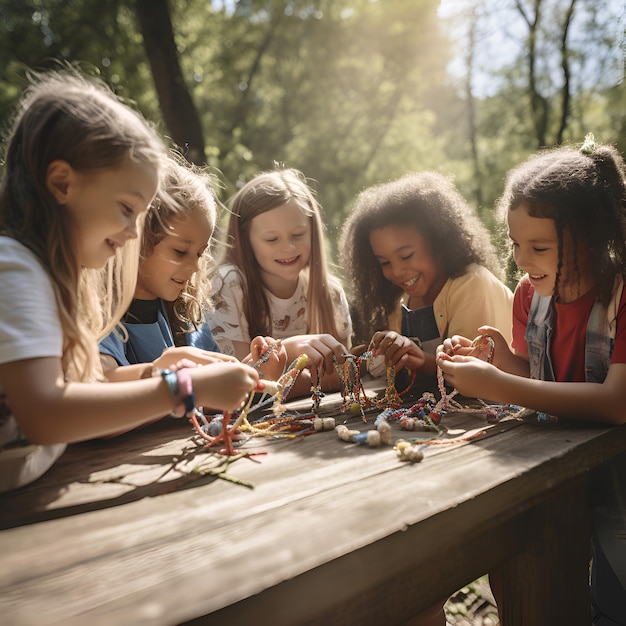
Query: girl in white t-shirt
(274,279)
(81,168)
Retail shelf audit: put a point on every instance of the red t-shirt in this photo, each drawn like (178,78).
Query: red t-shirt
(568,341)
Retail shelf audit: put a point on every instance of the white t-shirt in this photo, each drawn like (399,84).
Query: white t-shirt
(29,328)
(228,322)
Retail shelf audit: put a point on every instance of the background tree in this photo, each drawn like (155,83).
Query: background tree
(543,73)
(177,107)
(352,92)
(98,35)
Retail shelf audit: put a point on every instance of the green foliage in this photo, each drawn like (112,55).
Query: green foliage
(352,92)
(99,36)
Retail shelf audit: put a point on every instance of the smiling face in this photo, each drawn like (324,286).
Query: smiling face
(102,206)
(174,260)
(281,242)
(406,260)
(536,252)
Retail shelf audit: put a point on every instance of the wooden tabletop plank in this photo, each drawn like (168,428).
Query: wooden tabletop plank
(120,531)
(336,500)
(162,456)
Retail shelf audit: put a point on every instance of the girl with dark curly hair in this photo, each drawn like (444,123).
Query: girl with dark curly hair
(421,267)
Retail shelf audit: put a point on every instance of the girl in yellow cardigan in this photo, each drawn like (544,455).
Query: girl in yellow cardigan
(421,267)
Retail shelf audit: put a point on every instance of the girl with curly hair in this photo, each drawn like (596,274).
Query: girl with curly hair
(421,268)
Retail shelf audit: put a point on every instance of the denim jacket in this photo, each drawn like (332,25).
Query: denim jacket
(599,339)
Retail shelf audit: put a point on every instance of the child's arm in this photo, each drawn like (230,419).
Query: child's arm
(585,401)
(50,410)
(169,358)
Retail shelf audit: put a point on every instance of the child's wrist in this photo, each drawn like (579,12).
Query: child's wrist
(181,388)
(185,391)
(150,371)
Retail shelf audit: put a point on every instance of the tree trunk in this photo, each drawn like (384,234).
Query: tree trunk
(179,112)
(471,107)
(538,104)
(565,102)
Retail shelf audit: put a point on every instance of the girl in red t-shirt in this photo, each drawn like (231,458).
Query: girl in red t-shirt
(566,215)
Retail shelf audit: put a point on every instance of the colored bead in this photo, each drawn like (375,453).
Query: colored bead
(435,417)
(324,423)
(373,438)
(408,452)
(385,433)
(345,434)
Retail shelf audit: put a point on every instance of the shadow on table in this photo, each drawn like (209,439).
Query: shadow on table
(97,474)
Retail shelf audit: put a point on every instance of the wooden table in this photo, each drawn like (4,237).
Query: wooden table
(122,531)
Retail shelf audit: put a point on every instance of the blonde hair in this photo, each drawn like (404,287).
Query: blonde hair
(67,116)
(186,189)
(266,191)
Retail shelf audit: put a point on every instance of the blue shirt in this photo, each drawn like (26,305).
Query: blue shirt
(147,341)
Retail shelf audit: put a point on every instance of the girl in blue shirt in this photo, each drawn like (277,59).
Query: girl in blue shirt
(164,322)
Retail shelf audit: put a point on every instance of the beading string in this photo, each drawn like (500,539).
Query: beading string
(316,389)
(425,414)
(265,355)
(392,397)
(478,345)
(352,389)
(230,433)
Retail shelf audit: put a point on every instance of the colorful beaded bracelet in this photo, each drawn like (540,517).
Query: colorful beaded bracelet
(180,385)
(185,391)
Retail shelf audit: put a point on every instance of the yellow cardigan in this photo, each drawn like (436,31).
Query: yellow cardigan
(465,303)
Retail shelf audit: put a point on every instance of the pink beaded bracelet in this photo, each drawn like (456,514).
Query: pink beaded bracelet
(185,392)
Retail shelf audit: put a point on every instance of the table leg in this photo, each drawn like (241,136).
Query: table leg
(547,581)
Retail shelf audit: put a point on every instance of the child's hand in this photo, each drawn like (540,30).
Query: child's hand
(471,376)
(501,350)
(319,348)
(399,351)
(487,346)
(224,385)
(274,366)
(457,344)
(172,356)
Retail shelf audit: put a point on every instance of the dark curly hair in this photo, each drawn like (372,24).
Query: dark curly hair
(584,192)
(430,203)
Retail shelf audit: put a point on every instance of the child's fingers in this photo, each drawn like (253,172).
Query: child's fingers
(218,356)
(447,347)
(383,341)
(257,345)
(488,330)
(378,337)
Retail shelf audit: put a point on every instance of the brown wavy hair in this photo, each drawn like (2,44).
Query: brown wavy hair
(266,191)
(585,194)
(185,189)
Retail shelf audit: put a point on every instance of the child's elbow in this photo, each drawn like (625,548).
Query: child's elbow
(617,417)
(613,414)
